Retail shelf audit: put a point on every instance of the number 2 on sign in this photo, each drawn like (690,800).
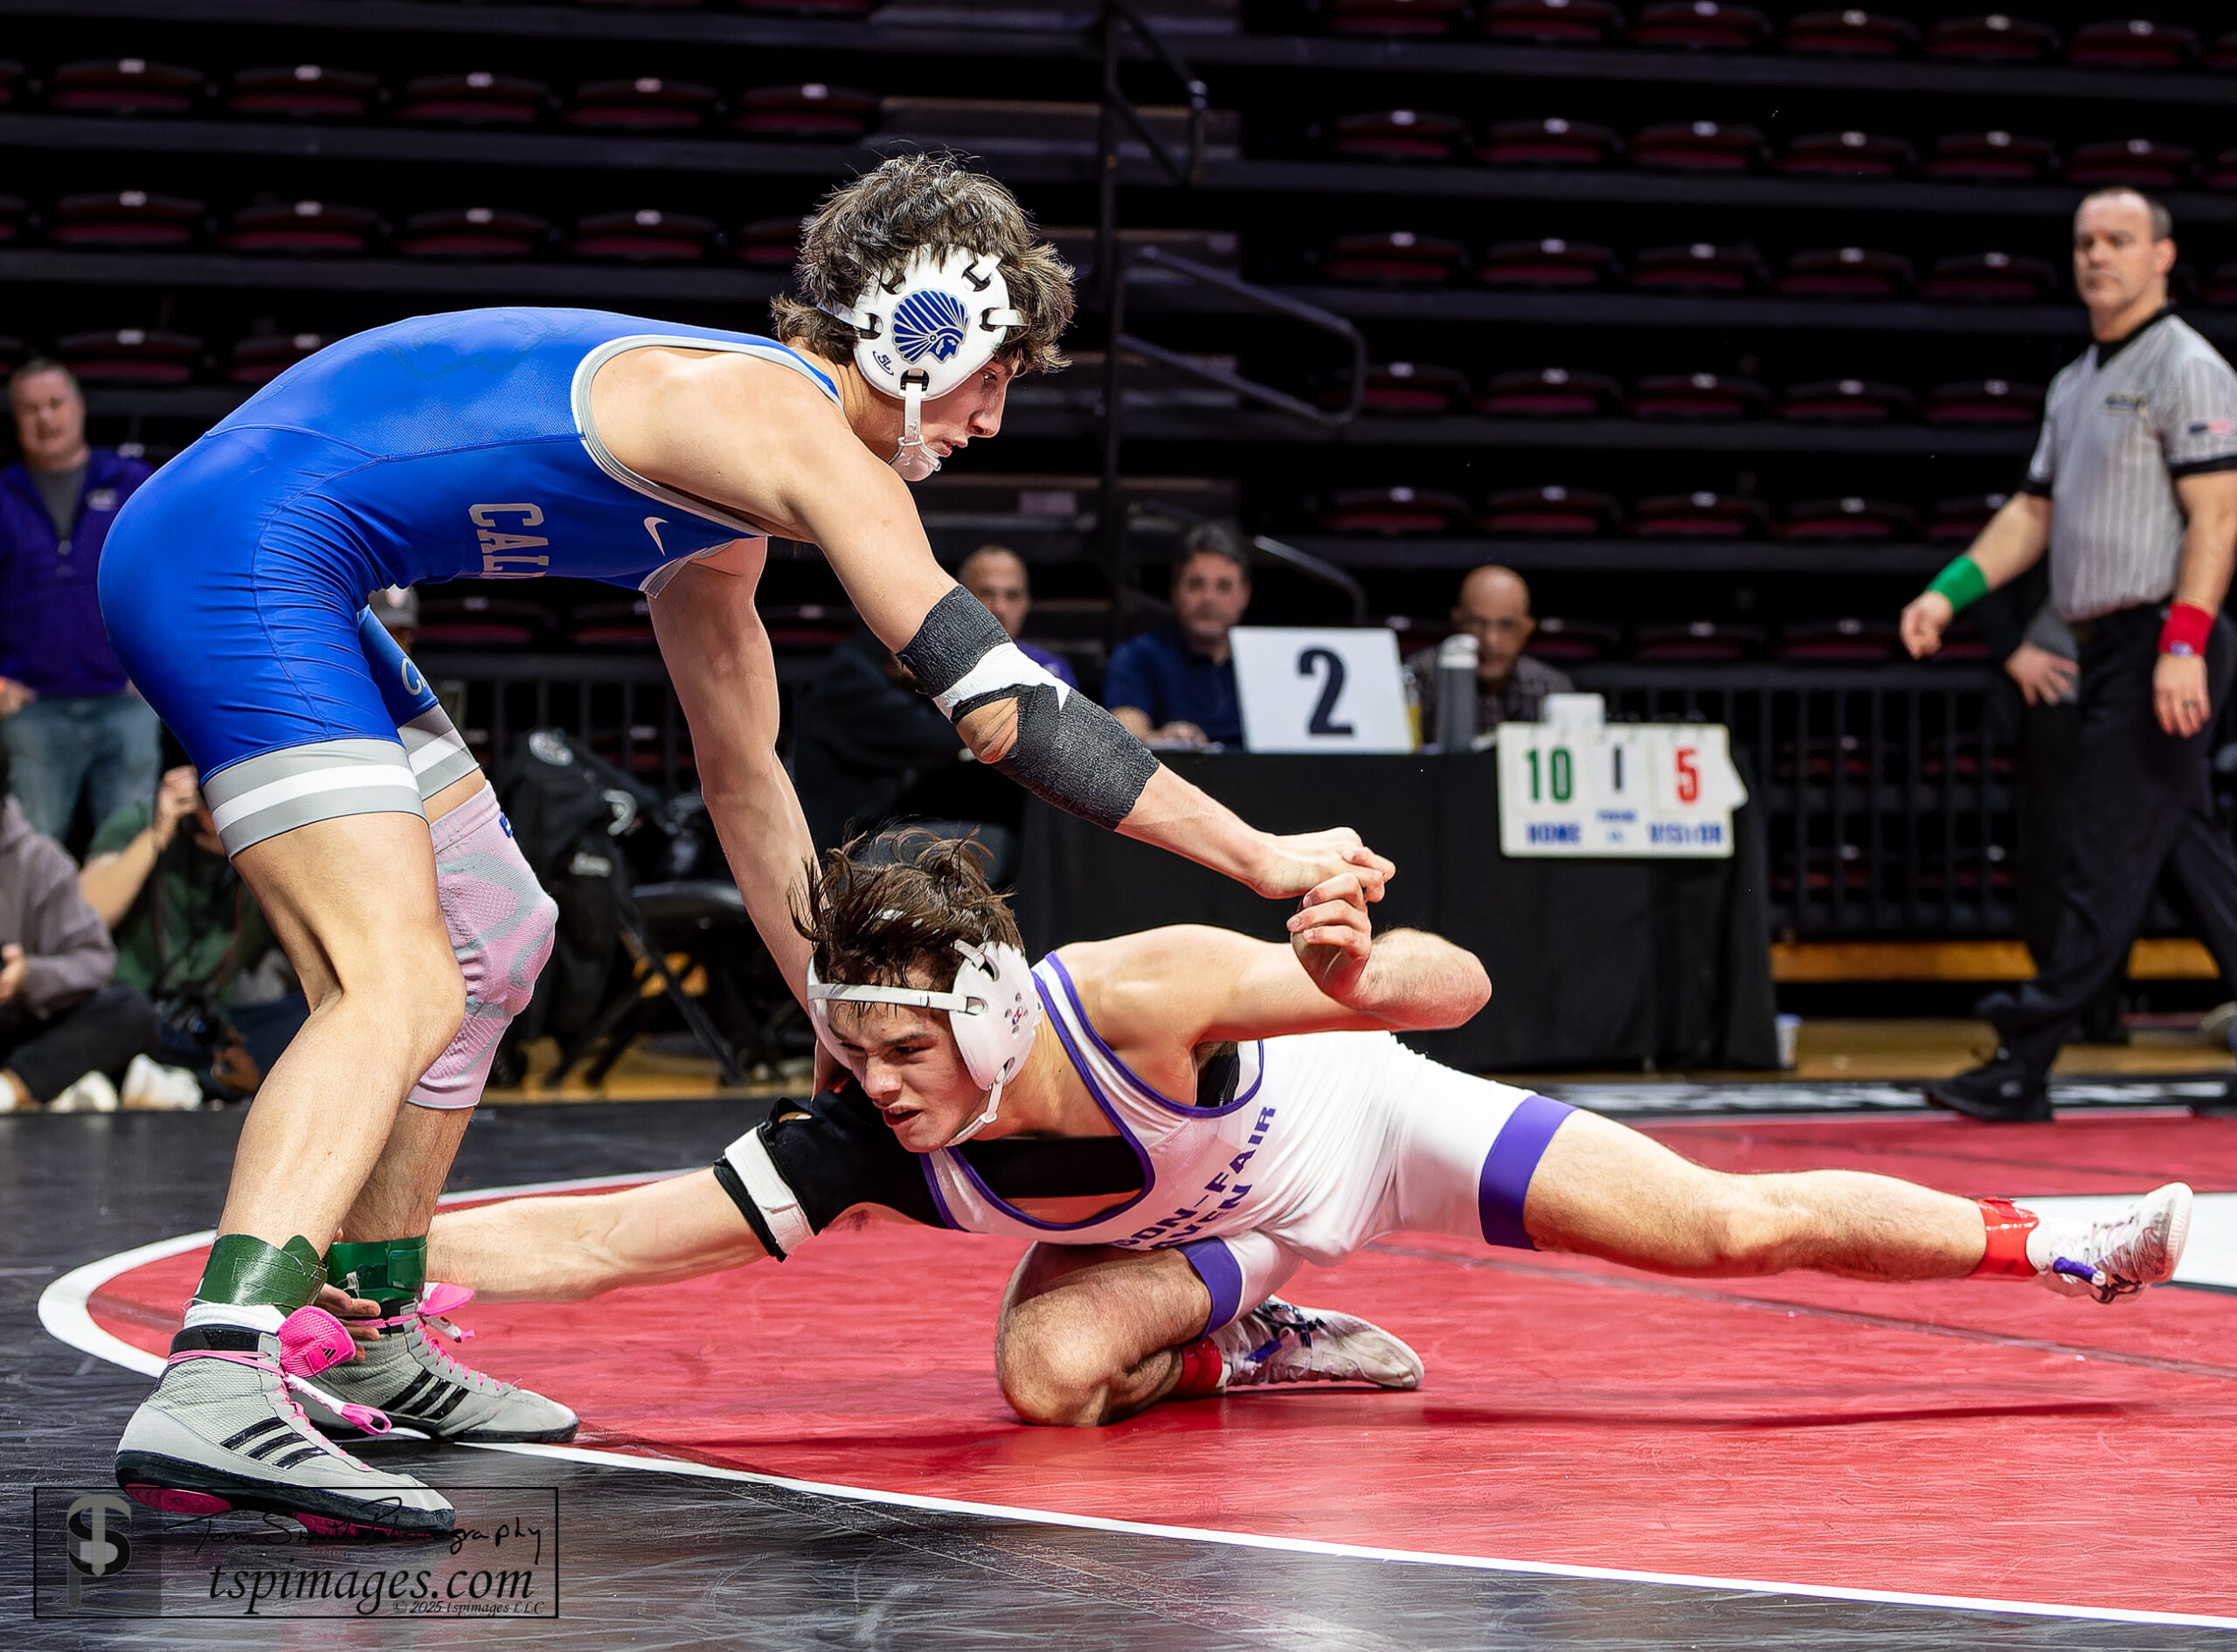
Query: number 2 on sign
(1689,775)
(1559,774)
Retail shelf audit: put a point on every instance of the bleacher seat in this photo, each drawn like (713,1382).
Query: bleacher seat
(124,86)
(303,91)
(647,235)
(1961,518)
(1549,511)
(1993,277)
(1996,36)
(1994,156)
(477,621)
(327,228)
(1851,33)
(477,97)
(2220,288)
(1550,392)
(810,110)
(12,81)
(1851,153)
(1839,641)
(473,231)
(2132,43)
(1699,266)
(13,210)
(1701,514)
(125,220)
(1849,518)
(2219,173)
(1392,258)
(1410,387)
(1550,261)
(1699,639)
(1395,17)
(1697,395)
(141,355)
(1701,25)
(1984,401)
(1845,401)
(260,360)
(646,103)
(1550,23)
(1554,141)
(1576,642)
(1845,273)
(2222,54)
(612,625)
(2143,163)
(1398,509)
(1397,135)
(771,243)
(1698,146)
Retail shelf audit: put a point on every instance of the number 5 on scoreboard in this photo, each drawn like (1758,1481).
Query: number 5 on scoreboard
(1687,761)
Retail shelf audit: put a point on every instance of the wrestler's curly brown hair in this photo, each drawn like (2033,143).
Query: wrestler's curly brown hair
(888,910)
(870,228)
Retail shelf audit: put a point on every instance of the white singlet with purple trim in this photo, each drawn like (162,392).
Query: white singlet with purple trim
(1332,1139)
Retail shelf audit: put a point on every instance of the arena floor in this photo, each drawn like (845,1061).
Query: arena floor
(814,1454)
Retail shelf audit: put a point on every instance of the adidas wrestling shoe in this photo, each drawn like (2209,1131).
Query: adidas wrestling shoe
(409,1376)
(223,1431)
(1277,1343)
(2116,1258)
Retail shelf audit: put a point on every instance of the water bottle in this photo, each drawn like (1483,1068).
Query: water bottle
(1455,692)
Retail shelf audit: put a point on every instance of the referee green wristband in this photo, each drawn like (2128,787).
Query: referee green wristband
(1962,582)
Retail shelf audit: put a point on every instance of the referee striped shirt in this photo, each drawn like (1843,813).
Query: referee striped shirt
(2120,424)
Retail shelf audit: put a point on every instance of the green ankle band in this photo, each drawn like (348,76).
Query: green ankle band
(1962,582)
(388,1271)
(245,1271)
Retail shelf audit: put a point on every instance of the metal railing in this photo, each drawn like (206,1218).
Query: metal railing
(1888,792)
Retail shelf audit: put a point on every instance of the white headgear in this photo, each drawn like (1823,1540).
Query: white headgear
(925,331)
(994,1012)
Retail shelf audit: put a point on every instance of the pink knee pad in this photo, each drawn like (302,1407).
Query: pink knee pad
(501,924)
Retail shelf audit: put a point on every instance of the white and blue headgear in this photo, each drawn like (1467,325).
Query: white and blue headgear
(994,1011)
(926,330)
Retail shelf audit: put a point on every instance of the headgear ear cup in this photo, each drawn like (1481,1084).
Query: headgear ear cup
(924,332)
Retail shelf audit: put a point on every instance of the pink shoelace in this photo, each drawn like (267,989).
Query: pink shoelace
(311,1340)
(436,1300)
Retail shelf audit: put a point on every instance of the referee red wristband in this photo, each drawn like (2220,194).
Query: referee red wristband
(2188,625)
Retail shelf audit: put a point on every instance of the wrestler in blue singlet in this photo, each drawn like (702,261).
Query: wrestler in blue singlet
(448,446)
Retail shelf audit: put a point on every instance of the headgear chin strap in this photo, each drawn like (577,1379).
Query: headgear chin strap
(924,331)
(994,1012)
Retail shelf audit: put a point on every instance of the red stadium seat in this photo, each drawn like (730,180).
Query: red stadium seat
(1984,401)
(1573,641)
(2219,173)
(12,81)
(1699,146)
(1989,277)
(1550,23)
(1995,38)
(2133,43)
(11,218)
(1392,511)
(1398,135)
(125,220)
(1395,17)
(811,110)
(612,625)
(1845,642)
(1851,153)
(1550,392)
(1701,266)
(1703,639)
(770,243)
(258,361)
(1845,401)
(2144,164)
(473,231)
(1846,272)
(1851,33)
(1701,516)
(482,622)
(645,236)
(648,103)
(1409,387)
(1393,257)
(2220,288)
(124,86)
(1550,512)
(2222,54)
(1550,262)
(804,7)
(1989,157)
(303,91)
(1961,519)
(1697,395)
(302,227)
(479,96)
(1552,142)
(1850,518)
(1701,26)
(130,355)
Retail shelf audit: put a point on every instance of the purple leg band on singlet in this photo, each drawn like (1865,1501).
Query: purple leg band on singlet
(1509,1167)
(1216,1266)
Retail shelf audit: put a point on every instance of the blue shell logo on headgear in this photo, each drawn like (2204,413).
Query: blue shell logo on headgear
(928,324)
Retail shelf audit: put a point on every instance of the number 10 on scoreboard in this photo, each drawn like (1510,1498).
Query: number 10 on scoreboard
(1621,790)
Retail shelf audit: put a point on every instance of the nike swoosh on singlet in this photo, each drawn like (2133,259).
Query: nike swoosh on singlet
(653,526)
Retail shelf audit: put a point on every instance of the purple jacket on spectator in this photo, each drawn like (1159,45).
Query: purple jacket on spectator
(51,633)
(66,952)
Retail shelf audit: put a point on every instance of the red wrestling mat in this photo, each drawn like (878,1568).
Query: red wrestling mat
(1983,1440)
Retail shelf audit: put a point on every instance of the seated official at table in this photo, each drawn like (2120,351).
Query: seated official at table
(1493,608)
(1175,686)
(996,575)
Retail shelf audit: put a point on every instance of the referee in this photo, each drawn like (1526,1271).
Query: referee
(2133,490)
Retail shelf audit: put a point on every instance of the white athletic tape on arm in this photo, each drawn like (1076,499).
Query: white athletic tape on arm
(779,1206)
(1007,666)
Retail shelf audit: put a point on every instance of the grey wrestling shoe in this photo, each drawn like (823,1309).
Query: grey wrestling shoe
(1277,1343)
(409,1376)
(222,1431)
(2114,1260)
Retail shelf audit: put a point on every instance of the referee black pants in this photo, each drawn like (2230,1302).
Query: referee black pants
(2143,806)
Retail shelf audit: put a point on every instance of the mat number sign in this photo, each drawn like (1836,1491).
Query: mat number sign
(1320,689)
(1633,789)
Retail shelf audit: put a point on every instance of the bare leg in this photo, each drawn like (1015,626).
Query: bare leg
(353,905)
(1607,1191)
(1090,1335)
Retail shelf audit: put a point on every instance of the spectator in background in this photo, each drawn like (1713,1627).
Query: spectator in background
(1175,686)
(190,936)
(1493,607)
(996,575)
(68,716)
(66,1032)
